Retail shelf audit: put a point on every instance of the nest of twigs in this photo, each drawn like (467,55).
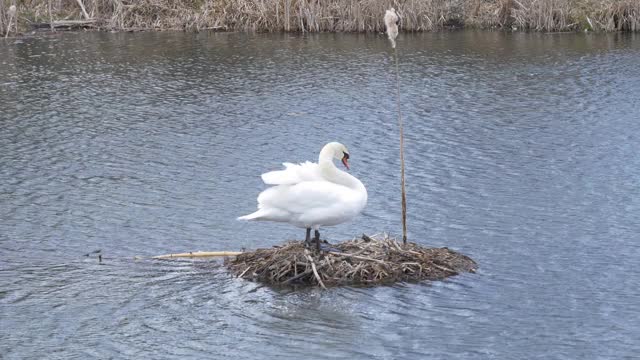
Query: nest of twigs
(362,261)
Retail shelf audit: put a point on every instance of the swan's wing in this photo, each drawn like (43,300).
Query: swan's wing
(293,174)
(308,203)
(305,197)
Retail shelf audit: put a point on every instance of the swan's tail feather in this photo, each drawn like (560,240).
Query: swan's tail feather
(269,214)
(253,216)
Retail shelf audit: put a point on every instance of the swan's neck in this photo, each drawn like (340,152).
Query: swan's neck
(326,155)
(331,173)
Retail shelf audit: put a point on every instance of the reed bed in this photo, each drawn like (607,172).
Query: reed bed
(367,260)
(329,15)
(335,15)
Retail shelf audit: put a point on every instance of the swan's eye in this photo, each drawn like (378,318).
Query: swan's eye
(346,156)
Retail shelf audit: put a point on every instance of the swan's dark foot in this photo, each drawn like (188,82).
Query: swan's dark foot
(307,240)
(317,240)
(320,245)
(326,247)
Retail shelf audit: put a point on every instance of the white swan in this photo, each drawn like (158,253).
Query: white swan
(311,195)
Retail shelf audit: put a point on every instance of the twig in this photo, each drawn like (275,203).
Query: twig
(244,272)
(356,257)
(283,271)
(294,278)
(395,245)
(443,268)
(364,248)
(315,271)
(303,274)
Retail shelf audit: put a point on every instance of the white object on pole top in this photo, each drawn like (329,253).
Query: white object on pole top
(391,21)
(12,10)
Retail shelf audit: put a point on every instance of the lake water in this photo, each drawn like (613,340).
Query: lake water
(522,151)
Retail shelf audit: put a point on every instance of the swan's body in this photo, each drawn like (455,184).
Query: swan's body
(311,195)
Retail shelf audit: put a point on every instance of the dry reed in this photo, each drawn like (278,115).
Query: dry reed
(362,261)
(391,21)
(11,14)
(332,15)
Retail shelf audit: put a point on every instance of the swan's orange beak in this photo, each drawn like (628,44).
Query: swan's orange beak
(345,161)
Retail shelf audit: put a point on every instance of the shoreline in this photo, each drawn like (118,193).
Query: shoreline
(319,16)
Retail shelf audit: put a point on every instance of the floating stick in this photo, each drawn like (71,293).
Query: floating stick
(391,21)
(198,254)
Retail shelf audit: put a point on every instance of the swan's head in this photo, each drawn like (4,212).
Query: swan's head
(335,150)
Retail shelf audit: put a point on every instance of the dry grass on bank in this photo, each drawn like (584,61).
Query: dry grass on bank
(4,17)
(332,15)
(365,261)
